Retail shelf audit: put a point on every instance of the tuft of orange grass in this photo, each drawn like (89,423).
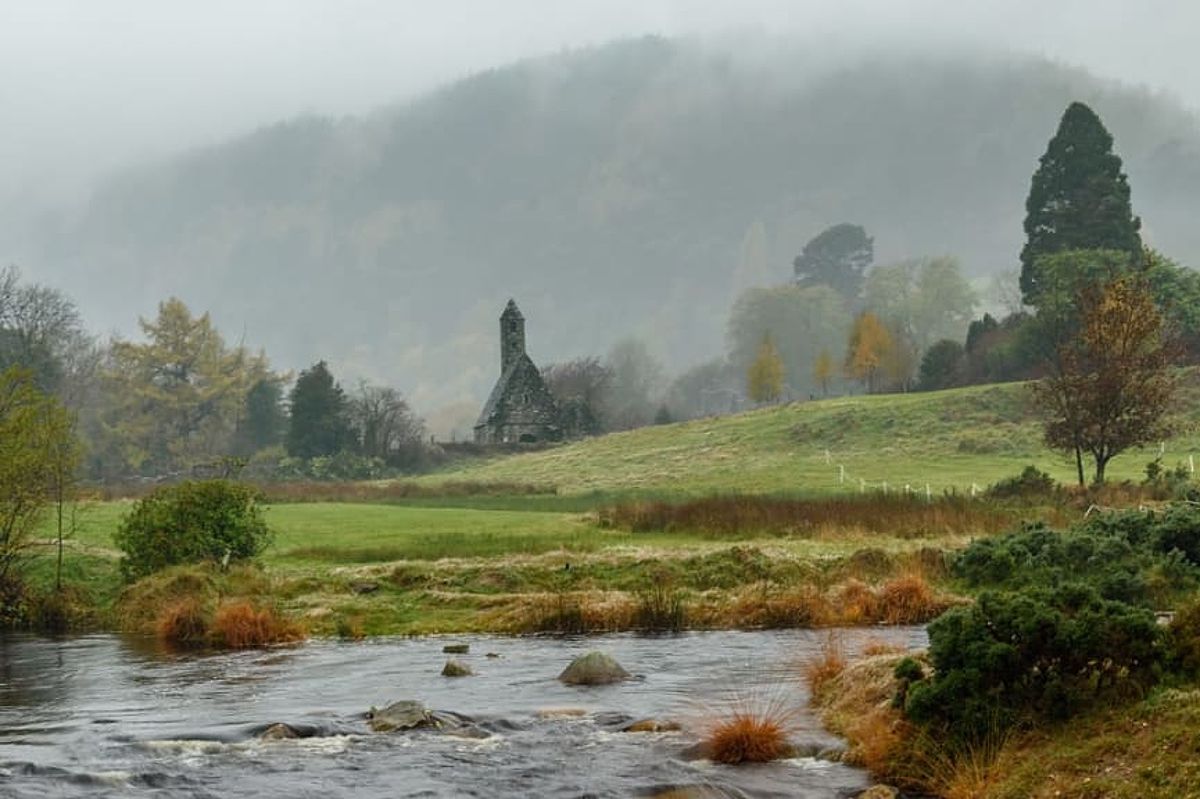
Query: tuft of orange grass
(909,600)
(747,736)
(239,625)
(830,663)
(182,624)
(858,604)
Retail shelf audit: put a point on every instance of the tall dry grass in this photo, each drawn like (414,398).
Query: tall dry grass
(183,624)
(831,663)
(739,515)
(240,625)
(750,731)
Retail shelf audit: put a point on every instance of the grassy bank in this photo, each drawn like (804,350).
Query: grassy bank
(1144,749)
(947,439)
(411,569)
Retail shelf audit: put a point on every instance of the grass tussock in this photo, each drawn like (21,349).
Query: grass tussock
(570,613)
(183,624)
(874,513)
(241,625)
(750,732)
(830,663)
(903,600)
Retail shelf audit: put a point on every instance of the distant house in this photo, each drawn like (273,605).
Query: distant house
(520,408)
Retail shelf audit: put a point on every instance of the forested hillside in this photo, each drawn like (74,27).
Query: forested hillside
(609,190)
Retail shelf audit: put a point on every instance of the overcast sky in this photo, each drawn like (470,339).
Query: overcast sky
(86,85)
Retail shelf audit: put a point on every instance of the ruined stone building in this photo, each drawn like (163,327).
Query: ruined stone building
(520,408)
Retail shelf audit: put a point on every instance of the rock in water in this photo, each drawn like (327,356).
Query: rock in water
(879,792)
(456,649)
(651,725)
(279,732)
(402,715)
(456,668)
(594,668)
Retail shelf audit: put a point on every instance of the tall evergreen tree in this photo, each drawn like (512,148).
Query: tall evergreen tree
(1078,199)
(264,422)
(319,423)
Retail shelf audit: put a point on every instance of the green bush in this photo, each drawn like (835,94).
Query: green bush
(1138,557)
(1041,654)
(193,521)
(1030,483)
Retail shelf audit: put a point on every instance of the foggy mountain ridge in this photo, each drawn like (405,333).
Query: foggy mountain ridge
(608,190)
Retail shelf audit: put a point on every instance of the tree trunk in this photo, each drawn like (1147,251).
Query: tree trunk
(1100,464)
(1079,464)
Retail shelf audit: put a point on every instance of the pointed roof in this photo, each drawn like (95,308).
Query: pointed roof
(511,311)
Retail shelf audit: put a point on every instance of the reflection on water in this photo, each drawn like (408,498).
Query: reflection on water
(104,715)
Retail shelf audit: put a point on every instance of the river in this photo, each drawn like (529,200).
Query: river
(107,715)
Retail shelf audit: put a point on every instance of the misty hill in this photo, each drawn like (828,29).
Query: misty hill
(608,190)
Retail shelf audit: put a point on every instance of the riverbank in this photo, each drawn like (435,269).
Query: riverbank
(358,569)
(1140,749)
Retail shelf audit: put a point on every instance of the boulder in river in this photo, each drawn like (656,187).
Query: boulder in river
(456,668)
(594,668)
(651,725)
(456,649)
(403,715)
(279,732)
(879,792)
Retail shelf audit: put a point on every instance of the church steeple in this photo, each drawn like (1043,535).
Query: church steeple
(512,336)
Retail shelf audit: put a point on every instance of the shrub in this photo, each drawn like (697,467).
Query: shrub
(193,521)
(1183,641)
(1015,657)
(1032,482)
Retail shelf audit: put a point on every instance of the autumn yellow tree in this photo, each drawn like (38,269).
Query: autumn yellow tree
(764,379)
(180,393)
(869,347)
(1115,385)
(823,371)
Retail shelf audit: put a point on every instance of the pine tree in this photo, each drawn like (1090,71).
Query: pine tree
(764,380)
(1078,198)
(319,423)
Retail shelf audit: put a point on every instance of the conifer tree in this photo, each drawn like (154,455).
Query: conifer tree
(319,423)
(1078,198)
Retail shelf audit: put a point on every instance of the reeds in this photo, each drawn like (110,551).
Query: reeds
(831,663)
(741,515)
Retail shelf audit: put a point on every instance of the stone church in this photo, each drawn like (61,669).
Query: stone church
(520,408)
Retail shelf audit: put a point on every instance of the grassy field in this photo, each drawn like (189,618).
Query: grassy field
(947,440)
(414,561)
(409,569)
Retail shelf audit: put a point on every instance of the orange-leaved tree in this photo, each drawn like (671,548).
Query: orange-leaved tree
(1115,384)
(869,345)
(764,378)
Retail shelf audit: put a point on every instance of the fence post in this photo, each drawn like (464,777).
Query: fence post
(841,474)
(928,494)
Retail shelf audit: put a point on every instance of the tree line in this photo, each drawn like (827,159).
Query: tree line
(182,399)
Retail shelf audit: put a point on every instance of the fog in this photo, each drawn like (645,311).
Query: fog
(86,87)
